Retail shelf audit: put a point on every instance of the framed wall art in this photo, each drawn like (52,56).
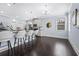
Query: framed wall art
(48,25)
(74,17)
(77,19)
(61,25)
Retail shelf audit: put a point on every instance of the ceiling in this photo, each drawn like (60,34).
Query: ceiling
(33,10)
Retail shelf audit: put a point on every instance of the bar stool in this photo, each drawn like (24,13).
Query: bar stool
(20,38)
(30,38)
(6,36)
(15,38)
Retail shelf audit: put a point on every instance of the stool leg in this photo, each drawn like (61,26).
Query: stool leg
(11,48)
(14,47)
(24,39)
(24,45)
(0,44)
(18,46)
(25,36)
(8,48)
(32,41)
(21,46)
(28,40)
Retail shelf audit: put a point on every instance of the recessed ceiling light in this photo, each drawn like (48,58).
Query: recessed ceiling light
(14,20)
(9,4)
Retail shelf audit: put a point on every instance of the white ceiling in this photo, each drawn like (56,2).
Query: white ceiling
(30,10)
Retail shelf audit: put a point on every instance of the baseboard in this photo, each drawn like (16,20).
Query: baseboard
(53,37)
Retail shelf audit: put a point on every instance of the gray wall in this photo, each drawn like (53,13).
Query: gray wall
(73,31)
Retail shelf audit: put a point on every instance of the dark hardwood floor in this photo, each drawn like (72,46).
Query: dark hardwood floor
(45,46)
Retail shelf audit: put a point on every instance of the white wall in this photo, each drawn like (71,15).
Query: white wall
(73,31)
(52,31)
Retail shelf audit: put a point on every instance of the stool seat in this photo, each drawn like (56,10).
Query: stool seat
(21,34)
(20,38)
(30,32)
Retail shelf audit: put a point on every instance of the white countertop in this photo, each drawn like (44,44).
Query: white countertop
(8,35)
(5,35)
